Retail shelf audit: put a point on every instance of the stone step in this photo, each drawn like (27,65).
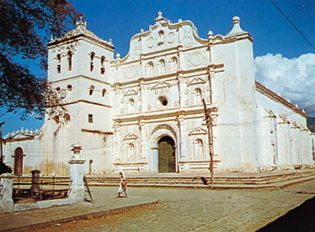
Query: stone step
(256,179)
(215,185)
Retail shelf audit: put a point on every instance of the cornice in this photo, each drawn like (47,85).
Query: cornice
(161,115)
(80,76)
(269,93)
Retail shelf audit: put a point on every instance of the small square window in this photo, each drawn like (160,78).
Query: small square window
(90,118)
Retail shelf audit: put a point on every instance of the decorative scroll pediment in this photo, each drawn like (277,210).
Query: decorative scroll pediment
(198,131)
(196,81)
(130,136)
(162,35)
(130,92)
(161,85)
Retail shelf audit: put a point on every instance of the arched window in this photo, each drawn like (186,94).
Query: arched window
(56,119)
(162,66)
(161,34)
(59,63)
(92,87)
(69,60)
(173,64)
(69,87)
(67,117)
(90,118)
(102,65)
(103,92)
(18,161)
(92,55)
(161,38)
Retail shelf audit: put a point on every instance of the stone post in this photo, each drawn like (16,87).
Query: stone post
(6,193)
(76,175)
(35,189)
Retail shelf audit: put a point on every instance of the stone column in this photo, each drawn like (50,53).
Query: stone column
(6,190)
(142,141)
(76,175)
(116,143)
(142,95)
(181,149)
(181,90)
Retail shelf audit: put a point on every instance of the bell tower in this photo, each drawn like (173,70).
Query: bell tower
(79,72)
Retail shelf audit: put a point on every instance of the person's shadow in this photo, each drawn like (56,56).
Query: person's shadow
(299,219)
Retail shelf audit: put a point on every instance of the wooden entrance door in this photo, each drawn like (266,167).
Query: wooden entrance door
(18,162)
(167,162)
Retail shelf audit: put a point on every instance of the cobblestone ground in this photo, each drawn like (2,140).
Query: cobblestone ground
(198,210)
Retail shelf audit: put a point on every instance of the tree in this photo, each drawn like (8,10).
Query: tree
(5,168)
(25,29)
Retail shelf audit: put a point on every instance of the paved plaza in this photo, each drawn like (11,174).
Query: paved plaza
(177,210)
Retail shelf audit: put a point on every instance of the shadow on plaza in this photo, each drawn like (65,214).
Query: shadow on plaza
(299,219)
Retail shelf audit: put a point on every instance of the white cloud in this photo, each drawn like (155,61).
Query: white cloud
(291,78)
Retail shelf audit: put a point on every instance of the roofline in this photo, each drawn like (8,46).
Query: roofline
(79,36)
(269,93)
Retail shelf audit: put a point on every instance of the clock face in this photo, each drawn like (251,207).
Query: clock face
(63,94)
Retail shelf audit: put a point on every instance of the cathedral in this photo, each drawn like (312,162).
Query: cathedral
(174,103)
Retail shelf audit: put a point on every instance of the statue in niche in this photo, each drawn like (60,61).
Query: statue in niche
(150,69)
(161,67)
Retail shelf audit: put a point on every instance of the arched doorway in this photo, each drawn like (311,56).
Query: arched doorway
(166,153)
(18,162)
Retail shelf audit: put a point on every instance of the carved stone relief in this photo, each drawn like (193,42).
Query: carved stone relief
(196,59)
(187,37)
(171,37)
(130,136)
(150,42)
(131,72)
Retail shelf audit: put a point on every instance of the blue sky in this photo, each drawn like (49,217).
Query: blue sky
(120,20)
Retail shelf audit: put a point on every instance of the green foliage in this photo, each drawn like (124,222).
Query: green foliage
(5,168)
(26,27)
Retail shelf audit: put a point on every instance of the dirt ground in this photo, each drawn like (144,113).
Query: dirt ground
(200,210)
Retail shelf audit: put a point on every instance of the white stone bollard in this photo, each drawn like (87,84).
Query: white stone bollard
(6,193)
(76,193)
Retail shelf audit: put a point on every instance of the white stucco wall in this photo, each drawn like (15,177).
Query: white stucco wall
(156,91)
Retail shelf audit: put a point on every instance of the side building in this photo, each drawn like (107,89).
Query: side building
(145,112)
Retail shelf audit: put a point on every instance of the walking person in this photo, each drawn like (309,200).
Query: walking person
(122,186)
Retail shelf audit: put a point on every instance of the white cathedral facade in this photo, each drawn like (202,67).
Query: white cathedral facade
(145,113)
